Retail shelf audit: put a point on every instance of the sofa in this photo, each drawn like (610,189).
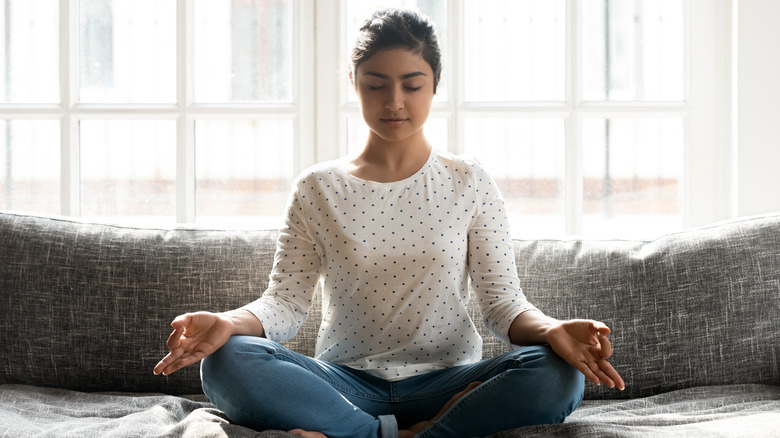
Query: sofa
(86,308)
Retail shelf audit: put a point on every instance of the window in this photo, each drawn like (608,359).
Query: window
(153,110)
(578,108)
(590,114)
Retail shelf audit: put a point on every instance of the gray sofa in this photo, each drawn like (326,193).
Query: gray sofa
(85,310)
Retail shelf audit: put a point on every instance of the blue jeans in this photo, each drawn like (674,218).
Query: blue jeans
(262,385)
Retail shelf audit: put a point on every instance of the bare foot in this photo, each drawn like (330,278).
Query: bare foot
(307,434)
(419,427)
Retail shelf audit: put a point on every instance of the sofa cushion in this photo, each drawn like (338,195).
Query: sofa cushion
(51,412)
(748,411)
(88,306)
(701,307)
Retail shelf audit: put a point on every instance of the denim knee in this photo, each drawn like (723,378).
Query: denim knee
(226,365)
(562,384)
(228,384)
(222,362)
(256,382)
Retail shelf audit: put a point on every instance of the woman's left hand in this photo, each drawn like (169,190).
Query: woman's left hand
(585,345)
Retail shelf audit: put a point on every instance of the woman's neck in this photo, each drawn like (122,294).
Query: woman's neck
(383,161)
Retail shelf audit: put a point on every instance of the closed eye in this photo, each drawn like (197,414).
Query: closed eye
(379,87)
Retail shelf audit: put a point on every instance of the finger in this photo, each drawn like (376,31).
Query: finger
(583,368)
(166,361)
(601,328)
(174,339)
(608,369)
(159,367)
(602,376)
(606,347)
(182,362)
(182,322)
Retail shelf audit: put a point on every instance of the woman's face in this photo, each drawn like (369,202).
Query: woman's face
(395,91)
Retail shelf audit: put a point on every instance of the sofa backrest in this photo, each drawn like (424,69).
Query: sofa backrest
(700,307)
(88,306)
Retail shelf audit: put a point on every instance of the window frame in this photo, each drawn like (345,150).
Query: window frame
(320,107)
(185,111)
(707,189)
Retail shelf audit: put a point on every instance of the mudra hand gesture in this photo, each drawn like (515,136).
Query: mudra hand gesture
(194,336)
(585,345)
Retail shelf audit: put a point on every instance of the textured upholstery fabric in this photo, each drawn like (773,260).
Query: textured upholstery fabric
(734,411)
(749,411)
(59,413)
(88,307)
(696,308)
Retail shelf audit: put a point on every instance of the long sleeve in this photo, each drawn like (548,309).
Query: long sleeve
(284,306)
(491,260)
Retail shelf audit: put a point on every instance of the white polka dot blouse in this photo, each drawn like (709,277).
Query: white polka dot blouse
(394,261)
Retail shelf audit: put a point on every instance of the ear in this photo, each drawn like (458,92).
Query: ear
(352,80)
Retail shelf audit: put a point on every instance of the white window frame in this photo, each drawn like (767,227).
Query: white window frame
(708,186)
(320,108)
(185,111)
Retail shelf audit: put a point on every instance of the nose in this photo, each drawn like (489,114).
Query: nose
(395,99)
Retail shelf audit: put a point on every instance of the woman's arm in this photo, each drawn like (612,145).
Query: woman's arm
(244,323)
(531,328)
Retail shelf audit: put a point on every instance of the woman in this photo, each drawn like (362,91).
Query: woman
(394,234)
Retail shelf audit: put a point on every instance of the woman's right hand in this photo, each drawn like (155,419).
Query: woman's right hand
(195,336)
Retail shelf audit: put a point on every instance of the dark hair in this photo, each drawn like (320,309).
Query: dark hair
(398,28)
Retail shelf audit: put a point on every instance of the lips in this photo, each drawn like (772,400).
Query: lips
(394,121)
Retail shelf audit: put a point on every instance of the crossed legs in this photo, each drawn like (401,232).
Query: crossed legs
(262,385)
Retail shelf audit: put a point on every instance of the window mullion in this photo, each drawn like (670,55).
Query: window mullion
(330,119)
(456,126)
(185,125)
(573,180)
(306,139)
(70,202)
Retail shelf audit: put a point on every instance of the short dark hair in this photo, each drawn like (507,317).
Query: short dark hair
(394,28)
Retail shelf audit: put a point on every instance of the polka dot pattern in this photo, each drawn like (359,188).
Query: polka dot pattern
(395,261)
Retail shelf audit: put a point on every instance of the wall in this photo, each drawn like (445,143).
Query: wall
(758,100)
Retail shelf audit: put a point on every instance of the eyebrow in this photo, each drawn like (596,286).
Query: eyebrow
(404,76)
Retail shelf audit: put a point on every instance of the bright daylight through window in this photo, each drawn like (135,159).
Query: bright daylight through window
(165,111)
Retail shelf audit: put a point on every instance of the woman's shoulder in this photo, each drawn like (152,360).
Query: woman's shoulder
(325,170)
(464,164)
